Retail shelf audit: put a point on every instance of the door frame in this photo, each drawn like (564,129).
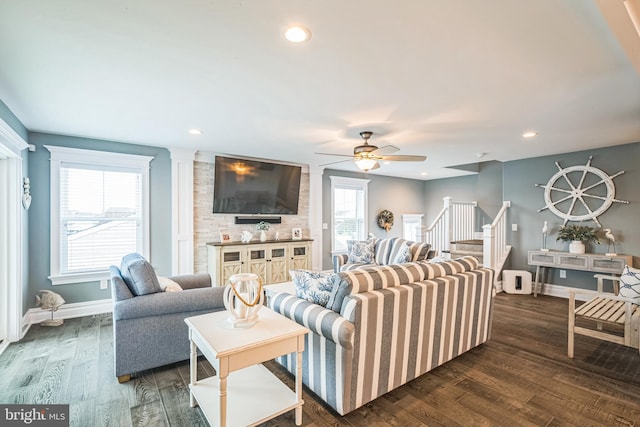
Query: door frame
(12,233)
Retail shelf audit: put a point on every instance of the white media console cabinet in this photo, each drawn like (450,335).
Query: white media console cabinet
(270,260)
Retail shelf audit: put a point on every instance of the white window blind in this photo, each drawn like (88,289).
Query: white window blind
(99,212)
(100,216)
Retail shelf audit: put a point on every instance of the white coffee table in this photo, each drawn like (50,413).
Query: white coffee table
(252,394)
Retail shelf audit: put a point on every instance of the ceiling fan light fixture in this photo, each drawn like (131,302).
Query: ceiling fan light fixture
(365,164)
(297,34)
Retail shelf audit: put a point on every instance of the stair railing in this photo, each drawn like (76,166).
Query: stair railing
(495,248)
(456,221)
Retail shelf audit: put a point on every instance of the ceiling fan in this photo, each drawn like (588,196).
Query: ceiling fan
(366,156)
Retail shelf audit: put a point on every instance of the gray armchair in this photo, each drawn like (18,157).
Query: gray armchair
(148,324)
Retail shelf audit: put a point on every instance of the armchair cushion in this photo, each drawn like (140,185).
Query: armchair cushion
(139,275)
(630,283)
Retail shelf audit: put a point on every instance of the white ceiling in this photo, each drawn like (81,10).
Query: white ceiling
(445,79)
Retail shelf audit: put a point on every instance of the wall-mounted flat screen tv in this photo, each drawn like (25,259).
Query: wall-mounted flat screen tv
(253,187)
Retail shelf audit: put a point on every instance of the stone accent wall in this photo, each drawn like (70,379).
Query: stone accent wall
(207,226)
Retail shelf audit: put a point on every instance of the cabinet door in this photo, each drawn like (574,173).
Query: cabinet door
(300,256)
(278,265)
(257,262)
(232,263)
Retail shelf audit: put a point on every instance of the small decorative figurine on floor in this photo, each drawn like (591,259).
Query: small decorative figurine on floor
(49,300)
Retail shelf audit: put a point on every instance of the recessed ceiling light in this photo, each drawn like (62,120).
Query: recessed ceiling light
(297,34)
(480,155)
(195,131)
(424,174)
(529,134)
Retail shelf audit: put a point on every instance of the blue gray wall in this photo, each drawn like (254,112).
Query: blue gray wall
(516,182)
(39,218)
(399,195)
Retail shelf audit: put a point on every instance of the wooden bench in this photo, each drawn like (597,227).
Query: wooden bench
(605,308)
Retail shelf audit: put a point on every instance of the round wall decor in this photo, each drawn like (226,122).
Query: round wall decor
(580,193)
(385,220)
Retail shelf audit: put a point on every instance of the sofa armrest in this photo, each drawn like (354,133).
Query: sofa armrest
(338,261)
(192,281)
(168,303)
(319,320)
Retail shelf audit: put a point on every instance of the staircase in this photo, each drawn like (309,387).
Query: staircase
(473,247)
(453,231)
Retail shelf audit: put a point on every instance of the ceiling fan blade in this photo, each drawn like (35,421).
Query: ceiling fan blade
(332,154)
(384,150)
(401,158)
(333,163)
(376,166)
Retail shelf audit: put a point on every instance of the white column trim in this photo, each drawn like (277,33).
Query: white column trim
(315,215)
(12,237)
(182,240)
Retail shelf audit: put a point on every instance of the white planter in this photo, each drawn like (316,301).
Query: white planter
(263,236)
(576,247)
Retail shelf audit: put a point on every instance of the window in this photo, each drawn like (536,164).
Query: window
(99,212)
(348,211)
(412,227)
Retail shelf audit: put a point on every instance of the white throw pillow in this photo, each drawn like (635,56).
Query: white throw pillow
(630,283)
(169,285)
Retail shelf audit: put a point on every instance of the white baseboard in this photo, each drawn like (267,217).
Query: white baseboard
(556,291)
(68,311)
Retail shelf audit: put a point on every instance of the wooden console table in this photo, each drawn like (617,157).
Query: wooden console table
(597,263)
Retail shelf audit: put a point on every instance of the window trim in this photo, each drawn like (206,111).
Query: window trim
(100,158)
(355,183)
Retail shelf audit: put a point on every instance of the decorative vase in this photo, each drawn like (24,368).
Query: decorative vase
(243,298)
(576,247)
(263,235)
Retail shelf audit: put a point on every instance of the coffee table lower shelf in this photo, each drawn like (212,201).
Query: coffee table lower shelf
(254,395)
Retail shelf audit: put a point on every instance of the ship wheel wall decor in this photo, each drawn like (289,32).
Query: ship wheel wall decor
(580,193)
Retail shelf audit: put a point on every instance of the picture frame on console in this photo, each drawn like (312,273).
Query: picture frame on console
(296,234)
(225,237)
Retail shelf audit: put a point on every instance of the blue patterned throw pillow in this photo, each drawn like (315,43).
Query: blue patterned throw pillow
(313,286)
(362,252)
(630,283)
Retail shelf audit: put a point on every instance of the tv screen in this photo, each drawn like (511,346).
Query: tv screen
(253,187)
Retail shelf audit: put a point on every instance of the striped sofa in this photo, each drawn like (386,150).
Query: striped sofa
(384,253)
(386,325)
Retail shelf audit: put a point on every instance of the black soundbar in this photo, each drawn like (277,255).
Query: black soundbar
(257,219)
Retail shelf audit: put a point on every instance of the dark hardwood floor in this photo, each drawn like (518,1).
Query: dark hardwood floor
(522,376)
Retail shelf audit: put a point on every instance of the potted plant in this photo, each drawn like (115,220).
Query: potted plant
(577,235)
(263,227)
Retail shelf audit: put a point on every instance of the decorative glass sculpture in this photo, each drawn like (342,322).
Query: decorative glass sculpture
(243,298)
